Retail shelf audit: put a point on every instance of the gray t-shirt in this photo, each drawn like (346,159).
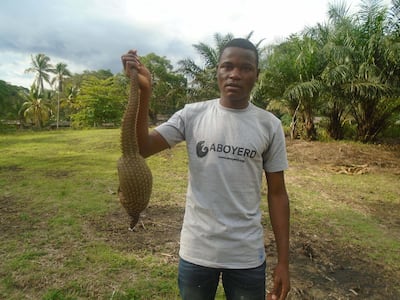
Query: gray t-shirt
(228,151)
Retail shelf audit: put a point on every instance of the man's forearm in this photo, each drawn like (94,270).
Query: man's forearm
(280,214)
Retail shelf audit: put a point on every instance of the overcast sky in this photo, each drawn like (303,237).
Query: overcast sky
(93,34)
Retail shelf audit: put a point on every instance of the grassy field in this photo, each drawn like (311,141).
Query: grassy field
(64,234)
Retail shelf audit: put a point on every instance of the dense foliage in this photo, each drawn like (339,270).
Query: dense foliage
(346,70)
(11,99)
(344,73)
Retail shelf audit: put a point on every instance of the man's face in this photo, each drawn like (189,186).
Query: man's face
(236,73)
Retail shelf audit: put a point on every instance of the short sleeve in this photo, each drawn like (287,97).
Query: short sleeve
(275,157)
(173,131)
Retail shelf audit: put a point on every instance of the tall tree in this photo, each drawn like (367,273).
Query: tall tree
(37,109)
(169,87)
(372,101)
(293,75)
(307,89)
(61,72)
(350,65)
(99,101)
(40,65)
(280,72)
(337,39)
(11,99)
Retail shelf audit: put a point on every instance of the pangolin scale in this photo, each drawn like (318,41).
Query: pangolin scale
(135,178)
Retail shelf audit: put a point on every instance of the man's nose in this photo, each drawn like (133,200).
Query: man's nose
(234,73)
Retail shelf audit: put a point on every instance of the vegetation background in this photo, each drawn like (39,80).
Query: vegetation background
(335,80)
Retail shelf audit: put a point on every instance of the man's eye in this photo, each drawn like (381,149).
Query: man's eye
(227,67)
(247,68)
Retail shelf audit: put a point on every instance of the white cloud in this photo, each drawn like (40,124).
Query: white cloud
(11,65)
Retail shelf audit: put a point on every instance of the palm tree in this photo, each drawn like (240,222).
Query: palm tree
(337,41)
(371,91)
(61,72)
(362,67)
(294,67)
(346,66)
(41,66)
(202,83)
(279,74)
(307,89)
(37,108)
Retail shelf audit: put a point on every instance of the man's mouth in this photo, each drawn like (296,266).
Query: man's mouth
(232,86)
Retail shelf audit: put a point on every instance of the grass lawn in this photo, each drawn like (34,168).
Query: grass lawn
(64,234)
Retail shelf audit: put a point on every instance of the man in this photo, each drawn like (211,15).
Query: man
(230,144)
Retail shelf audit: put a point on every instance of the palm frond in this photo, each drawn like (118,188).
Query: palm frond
(209,55)
(301,90)
(367,89)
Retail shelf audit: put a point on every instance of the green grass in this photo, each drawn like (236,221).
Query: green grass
(64,234)
(51,184)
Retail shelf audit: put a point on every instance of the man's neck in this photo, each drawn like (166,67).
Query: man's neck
(234,104)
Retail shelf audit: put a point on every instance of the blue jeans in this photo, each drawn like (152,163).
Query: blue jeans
(200,283)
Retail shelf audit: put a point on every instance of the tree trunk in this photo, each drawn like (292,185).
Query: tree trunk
(335,128)
(293,124)
(310,131)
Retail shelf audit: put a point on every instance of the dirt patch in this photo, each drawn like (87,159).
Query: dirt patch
(322,269)
(157,231)
(319,269)
(8,210)
(356,158)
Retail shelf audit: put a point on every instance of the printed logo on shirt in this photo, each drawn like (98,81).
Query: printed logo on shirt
(201,150)
(226,151)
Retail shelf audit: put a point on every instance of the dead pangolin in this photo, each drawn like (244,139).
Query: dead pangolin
(135,178)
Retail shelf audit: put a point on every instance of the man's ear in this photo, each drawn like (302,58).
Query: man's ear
(258,73)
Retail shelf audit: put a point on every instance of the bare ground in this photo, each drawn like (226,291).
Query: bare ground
(321,270)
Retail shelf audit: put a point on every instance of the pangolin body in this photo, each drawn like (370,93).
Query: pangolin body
(135,178)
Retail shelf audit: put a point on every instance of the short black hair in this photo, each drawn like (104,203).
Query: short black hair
(240,43)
